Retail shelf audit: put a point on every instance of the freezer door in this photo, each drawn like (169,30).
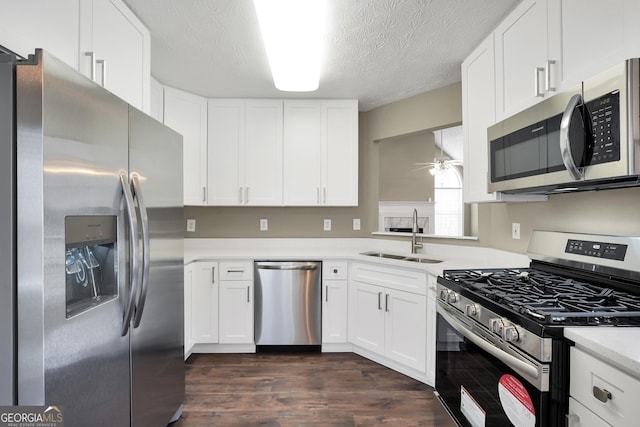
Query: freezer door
(157,334)
(7,234)
(71,147)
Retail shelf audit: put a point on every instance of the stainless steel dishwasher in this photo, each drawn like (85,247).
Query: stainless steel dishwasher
(288,303)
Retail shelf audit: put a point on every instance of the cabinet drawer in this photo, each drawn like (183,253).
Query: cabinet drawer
(334,270)
(395,278)
(590,374)
(236,270)
(579,416)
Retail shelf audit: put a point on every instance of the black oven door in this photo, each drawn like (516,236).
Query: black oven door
(482,384)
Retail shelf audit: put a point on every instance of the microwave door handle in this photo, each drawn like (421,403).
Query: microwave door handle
(506,358)
(565,143)
(133,253)
(146,255)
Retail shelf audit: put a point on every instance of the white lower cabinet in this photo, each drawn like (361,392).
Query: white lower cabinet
(201,298)
(334,302)
(386,319)
(432,287)
(610,394)
(236,302)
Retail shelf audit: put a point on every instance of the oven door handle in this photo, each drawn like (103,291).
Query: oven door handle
(506,358)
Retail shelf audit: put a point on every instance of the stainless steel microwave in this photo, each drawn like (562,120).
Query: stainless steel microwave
(577,140)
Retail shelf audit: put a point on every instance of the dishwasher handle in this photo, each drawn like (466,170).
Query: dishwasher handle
(287,267)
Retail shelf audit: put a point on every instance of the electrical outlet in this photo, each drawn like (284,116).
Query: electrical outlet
(515,230)
(327,225)
(191,225)
(356,223)
(264,224)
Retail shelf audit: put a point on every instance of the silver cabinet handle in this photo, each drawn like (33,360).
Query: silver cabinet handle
(326,293)
(324,195)
(146,249)
(246,195)
(248,293)
(103,62)
(92,70)
(565,143)
(536,82)
(133,243)
(235,271)
(386,303)
(601,394)
(213,275)
(379,300)
(547,76)
(204,194)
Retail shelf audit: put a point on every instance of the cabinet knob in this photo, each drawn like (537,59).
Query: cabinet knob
(601,394)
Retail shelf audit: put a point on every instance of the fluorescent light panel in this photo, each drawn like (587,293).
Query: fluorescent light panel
(292,31)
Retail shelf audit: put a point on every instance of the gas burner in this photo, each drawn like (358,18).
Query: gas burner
(549,298)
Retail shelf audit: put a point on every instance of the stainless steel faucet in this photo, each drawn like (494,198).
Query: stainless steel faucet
(414,244)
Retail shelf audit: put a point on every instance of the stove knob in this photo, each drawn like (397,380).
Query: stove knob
(470,309)
(496,325)
(443,294)
(510,334)
(452,298)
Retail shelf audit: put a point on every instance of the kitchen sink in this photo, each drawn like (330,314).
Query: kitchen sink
(401,257)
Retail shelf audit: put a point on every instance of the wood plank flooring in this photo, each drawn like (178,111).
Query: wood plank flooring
(303,389)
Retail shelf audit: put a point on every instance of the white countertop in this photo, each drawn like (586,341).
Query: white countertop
(618,345)
(452,256)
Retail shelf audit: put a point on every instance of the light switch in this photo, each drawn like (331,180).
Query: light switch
(327,225)
(515,230)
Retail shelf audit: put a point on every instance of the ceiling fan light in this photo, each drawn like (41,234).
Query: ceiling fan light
(292,32)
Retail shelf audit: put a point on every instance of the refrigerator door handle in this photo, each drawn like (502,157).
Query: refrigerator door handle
(146,254)
(133,244)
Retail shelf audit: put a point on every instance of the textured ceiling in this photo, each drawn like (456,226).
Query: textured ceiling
(377,51)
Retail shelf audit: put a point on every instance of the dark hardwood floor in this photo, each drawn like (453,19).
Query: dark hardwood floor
(303,389)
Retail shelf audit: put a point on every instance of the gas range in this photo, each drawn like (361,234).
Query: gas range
(504,326)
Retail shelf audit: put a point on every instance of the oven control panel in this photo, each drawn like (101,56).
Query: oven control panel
(604,250)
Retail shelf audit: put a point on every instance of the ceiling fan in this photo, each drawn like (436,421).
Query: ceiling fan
(440,163)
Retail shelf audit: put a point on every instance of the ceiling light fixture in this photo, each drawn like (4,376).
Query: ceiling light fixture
(292,31)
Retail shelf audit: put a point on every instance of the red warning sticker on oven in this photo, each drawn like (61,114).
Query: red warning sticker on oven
(516,402)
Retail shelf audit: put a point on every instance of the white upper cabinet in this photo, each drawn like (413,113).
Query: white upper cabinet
(478,113)
(527,64)
(245,152)
(320,153)
(156,108)
(261,155)
(302,152)
(115,50)
(48,24)
(187,114)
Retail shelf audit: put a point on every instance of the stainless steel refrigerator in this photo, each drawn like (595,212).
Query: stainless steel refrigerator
(91,250)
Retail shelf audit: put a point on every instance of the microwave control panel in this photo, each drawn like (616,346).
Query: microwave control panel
(605,122)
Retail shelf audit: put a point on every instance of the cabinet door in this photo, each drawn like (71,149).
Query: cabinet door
(478,113)
(334,311)
(588,46)
(340,153)
(121,45)
(49,24)
(366,316)
(302,152)
(521,49)
(405,328)
(431,329)
(236,312)
(187,114)
(226,136)
(261,154)
(188,296)
(204,303)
